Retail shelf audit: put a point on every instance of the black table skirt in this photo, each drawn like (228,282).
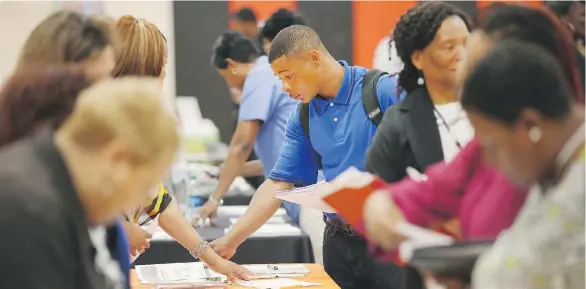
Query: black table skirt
(237,200)
(255,250)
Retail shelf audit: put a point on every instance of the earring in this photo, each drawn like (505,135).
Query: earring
(420,81)
(535,134)
(234,72)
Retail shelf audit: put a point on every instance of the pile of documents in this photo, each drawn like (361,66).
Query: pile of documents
(195,273)
(277,283)
(274,271)
(198,274)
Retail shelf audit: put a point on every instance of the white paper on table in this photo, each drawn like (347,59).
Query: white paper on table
(419,238)
(309,196)
(150,228)
(237,211)
(283,270)
(194,286)
(176,273)
(277,283)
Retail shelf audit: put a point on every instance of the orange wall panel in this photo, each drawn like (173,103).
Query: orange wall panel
(372,21)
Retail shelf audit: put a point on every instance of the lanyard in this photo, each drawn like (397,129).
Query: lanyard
(438,114)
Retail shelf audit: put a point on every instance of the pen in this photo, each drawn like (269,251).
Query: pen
(273,267)
(207,271)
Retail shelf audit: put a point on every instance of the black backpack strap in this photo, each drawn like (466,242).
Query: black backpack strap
(304,119)
(369,98)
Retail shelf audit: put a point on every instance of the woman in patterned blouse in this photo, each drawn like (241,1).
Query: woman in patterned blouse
(530,127)
(144,53)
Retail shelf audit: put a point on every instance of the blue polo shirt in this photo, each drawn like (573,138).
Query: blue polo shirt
(341,132)
(263,99)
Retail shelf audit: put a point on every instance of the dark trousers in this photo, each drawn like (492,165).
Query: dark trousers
(349,264)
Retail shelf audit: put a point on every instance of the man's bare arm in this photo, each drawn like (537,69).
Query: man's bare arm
(263,206)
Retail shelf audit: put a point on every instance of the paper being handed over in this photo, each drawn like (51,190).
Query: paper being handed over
(310,196)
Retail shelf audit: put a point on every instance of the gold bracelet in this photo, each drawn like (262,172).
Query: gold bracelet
(199,249)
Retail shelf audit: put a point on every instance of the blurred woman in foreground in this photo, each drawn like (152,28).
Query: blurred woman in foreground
(538,141)
(467,188)
(144,52)
(65,37)
(60,187)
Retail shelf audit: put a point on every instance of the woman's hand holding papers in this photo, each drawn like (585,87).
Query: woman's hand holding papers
(380,219)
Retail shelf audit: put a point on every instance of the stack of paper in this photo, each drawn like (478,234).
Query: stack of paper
(198,286)
(310,196)
(277,283)
(274,230)
(195,273)
(273,271)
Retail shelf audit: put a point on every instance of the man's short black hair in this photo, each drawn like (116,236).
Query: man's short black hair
(235,46)
(514,76)
(293,40)
(245,14)
(280,20)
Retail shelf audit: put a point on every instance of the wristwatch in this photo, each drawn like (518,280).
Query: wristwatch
(218,201)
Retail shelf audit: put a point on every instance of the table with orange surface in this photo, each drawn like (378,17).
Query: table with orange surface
(316,274)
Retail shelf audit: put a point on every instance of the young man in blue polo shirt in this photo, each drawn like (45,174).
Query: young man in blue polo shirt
(340,133)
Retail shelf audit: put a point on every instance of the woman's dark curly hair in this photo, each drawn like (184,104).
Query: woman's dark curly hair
(414,31)
(35,97)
